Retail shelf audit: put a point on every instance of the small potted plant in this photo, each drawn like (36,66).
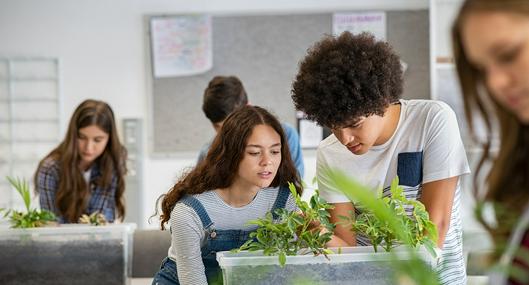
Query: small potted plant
(414,260)
(35,249)
(94,219)
(417,227)
(293,233)
(32,218)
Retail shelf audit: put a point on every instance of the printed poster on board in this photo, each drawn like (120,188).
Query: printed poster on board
(357,22)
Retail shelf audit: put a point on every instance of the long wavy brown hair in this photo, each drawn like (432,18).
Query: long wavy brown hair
(73,194)
(221,165)
(507,182)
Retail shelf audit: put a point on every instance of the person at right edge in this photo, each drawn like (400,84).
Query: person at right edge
(491,52)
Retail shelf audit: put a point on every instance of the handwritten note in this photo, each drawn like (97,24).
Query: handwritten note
(181,45)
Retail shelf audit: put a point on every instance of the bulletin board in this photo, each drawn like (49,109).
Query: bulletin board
(264,52)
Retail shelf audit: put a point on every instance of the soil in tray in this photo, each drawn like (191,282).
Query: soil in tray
(67,262)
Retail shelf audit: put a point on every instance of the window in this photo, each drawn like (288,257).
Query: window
(29,119)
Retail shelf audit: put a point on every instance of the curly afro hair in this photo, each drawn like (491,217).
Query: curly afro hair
(347,77)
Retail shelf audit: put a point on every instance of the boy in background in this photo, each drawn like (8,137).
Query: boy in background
(226,94)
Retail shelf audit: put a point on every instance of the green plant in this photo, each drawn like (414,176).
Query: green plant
(412,271)
(292,233)
(418,228)
(32,217)
(95,219)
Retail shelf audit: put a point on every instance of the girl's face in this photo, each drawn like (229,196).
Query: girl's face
(92,142)
(497,44)
(262,157)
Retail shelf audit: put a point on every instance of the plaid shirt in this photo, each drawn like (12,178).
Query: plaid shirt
(101,200)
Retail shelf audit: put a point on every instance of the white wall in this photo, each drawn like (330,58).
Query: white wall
(102,50)
(445,12)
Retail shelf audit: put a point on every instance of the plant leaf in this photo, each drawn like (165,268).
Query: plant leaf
(282,258)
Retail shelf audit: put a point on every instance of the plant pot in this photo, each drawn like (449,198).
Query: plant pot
(354,265)
(67,254)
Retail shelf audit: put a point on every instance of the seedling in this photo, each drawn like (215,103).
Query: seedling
(95,219)
(292,233)
(32,217)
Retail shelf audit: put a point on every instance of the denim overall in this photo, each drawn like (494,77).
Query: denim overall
(216,240)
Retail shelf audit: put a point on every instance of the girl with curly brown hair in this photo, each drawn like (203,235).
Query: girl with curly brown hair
(243,176)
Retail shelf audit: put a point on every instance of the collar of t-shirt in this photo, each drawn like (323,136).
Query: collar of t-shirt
(86,175)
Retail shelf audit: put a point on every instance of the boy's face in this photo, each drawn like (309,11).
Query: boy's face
(360,134)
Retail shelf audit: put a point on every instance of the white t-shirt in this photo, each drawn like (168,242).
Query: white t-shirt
(425,147)
(86,175)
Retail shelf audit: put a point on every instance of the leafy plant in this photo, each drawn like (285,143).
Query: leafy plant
(32,217)
(418,228)
(293,233)
(412,271)
(95,219)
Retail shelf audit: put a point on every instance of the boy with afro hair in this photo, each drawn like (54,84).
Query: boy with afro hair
(352,84)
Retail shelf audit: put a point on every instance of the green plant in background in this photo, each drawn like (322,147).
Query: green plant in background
(293,233)
(32,217)
(95,219)
(412,271)
(418,228)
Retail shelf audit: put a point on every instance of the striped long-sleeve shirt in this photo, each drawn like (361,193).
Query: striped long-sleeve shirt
(188,235)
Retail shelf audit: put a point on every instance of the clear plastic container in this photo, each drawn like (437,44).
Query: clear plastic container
(67,254)
(354,265)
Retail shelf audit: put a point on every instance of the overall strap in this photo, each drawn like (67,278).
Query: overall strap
(281,200)
(199,209)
